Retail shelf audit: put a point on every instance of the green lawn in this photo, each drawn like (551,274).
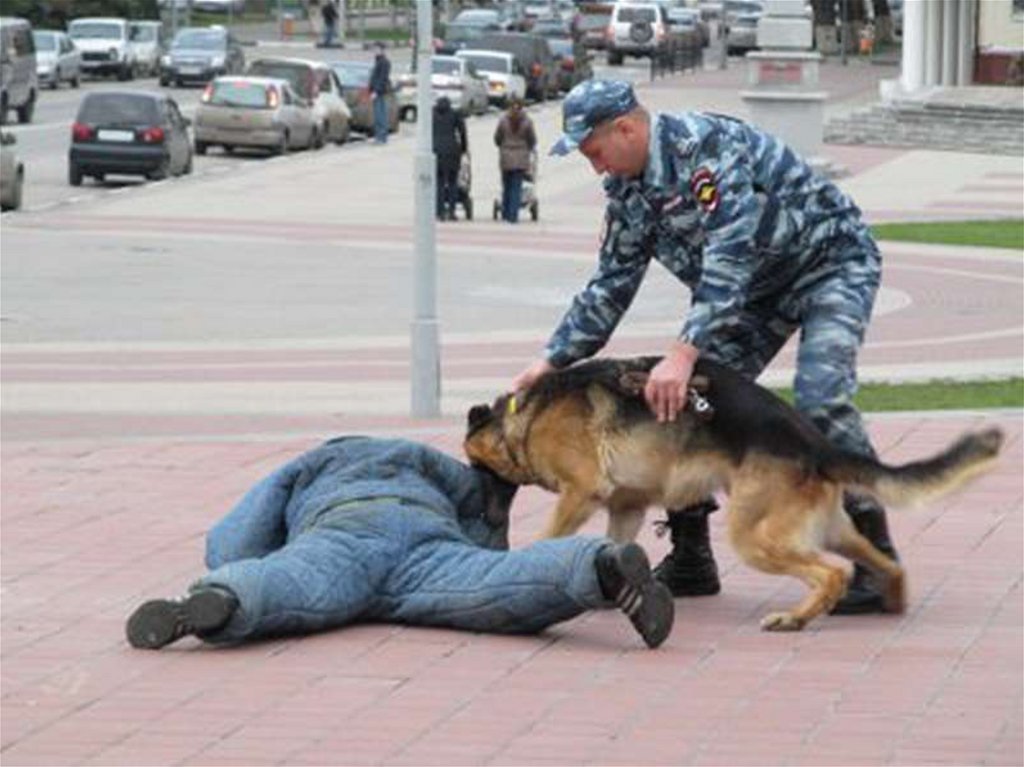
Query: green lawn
(1002,233)
(936,395)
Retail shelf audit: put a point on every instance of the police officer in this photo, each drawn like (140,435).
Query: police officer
(766,246)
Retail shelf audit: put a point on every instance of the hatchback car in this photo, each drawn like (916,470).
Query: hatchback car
(12,173)
(456,79)
(254,112)
(354,77)
(315,82)
(198,54)
(57,59)
(132,133)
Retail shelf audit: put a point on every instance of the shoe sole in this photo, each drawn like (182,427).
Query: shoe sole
(161,621)
(656,611)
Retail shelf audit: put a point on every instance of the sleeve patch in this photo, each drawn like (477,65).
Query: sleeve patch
(702,185)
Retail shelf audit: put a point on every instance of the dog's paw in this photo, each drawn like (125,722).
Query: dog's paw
(781,622)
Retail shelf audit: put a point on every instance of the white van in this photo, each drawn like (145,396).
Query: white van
(106,47)
(19,84)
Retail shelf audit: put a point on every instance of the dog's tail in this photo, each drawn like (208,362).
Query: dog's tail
(914,483)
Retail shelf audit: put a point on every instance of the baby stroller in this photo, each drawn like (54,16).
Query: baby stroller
(465,185)
(529,199)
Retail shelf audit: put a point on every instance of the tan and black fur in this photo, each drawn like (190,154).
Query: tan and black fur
(587,434)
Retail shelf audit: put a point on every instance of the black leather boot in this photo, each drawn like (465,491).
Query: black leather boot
(624,574)
(161,621)
(862,593)
(689,570)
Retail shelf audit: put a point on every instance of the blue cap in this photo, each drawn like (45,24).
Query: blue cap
(589,104)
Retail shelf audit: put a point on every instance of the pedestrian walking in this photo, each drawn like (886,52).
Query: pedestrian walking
(516,140)
(364,529)
(767,246)
(450,144)
(380,87)
(329,13)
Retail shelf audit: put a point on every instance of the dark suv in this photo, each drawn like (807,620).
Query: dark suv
(534,57)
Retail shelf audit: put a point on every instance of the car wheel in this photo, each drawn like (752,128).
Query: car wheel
(200,147)
(316,139)
(27,109)
(99,177)
(228,148)
(74,175)
(76,81)
(282,145)
(55,84)
(162,171)
(614,59)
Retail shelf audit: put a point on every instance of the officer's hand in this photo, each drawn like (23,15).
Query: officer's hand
(665,391)
(528,377)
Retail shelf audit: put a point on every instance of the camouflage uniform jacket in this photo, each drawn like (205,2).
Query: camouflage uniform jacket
(732,212)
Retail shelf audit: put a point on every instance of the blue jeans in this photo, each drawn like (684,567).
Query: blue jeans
(511,194)
(380,119)
(385,560)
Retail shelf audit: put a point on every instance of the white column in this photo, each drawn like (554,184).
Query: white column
(950,30)
(932,41)
(912,64)
(966,43)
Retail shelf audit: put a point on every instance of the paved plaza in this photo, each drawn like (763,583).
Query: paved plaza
(165,349)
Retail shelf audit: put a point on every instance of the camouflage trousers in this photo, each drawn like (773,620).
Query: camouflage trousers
(830,308)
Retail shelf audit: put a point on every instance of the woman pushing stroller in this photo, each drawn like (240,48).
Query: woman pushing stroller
(516,140)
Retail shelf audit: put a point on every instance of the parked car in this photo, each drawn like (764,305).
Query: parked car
(315,82)
(105,46)
(534,57)
(573,62)
(490,18)
(741,18)
(354,77)
(552,26)
(592,24)
(254,112)
(689,21)
(636,29)
(502,71)
(18,80)
(450,76)
(219,6)
(149,42)
(136,133)
(457,36)
(535,9)
(12,173)
(199,54)
(57,59)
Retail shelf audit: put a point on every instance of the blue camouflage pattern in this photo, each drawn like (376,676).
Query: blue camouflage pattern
(589,104)
(766,246)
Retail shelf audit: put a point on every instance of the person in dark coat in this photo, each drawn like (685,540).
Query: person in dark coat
(450,143)
(516,139)
(380,86)
(329,13)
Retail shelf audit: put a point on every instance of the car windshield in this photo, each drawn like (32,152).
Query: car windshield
(593,21)
(458,32)
(45,41)
(561,47)
(199,39)
(299,76)
(144,34)
(240,93)
(118,109)
(486,63)
(643,15)
(93,30)
(445,67)
(352,75)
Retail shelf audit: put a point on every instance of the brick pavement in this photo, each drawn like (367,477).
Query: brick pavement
(93,526)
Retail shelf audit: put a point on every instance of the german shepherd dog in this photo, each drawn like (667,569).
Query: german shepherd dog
(586,433)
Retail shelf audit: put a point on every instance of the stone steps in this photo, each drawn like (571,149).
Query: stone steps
(964,128)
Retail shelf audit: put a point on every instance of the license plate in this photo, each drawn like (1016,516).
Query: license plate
(189,70)
(115,135)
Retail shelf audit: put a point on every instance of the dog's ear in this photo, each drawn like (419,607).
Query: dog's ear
(479,416)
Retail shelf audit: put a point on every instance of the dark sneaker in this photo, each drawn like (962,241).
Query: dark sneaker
(161,621)
(624,573)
